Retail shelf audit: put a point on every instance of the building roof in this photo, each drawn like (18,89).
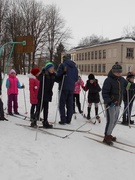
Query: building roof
(122,39)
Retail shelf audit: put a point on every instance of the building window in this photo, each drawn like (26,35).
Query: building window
(85,67)
(95,54)
(104,54)
(100,54)
(85,56)
(104,68)
(82,68)
(99,68)
(88,55)
(88,67)
(82,56)
(92,55)
(92,68)
(130,53)
(95,67)
(79,56)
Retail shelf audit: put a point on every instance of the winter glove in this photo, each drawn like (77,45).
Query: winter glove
(112,105)
(43,71)
(22,87)
(128,86)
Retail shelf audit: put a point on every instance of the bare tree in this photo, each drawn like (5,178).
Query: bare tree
(35,22)
(56,30)
(91,40)
(4,8)
(127,31)
(44,23)
(27,17)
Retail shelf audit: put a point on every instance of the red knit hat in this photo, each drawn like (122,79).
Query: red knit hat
(35,71)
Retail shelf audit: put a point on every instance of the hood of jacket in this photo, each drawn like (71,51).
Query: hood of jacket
(111,75)
(70,63)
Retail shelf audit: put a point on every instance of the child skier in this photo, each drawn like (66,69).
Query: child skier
(33,88)
(93,95)
(128,99)
(12,85)
(45,94)
(76,96)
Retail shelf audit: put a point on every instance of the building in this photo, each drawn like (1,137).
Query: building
(99,58)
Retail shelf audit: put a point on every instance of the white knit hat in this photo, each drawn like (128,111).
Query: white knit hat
(12,71)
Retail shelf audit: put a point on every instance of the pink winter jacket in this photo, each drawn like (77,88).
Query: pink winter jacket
(12,85)
(78,86)
(33,88)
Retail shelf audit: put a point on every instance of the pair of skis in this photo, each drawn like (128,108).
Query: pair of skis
(45,131)
(21,116)
(114,144)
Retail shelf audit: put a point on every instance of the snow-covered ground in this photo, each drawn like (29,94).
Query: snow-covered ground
(53,158)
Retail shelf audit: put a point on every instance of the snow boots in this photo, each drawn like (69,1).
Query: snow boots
(47,125)
(3,118)
(125,121)
(109,140)
(33,124)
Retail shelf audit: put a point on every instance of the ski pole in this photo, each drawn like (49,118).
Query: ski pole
(24,100)
(84,102)
(102,108)
(59,98)
(126,107)
(85,123)
(42,96)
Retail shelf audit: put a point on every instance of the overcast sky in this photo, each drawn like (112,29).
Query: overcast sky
(100,17)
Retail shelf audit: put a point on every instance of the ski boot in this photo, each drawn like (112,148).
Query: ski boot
(33,124)
(98,119)
(47,125)
(108,140)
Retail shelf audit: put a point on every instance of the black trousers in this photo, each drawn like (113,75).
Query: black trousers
(44,107)
(1,109)
(76,99)
(33,109)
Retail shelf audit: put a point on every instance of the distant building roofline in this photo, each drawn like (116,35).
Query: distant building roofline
(121,39)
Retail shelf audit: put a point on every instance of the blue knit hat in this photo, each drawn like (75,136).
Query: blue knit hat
(48,65)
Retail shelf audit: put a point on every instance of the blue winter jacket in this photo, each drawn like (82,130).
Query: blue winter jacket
(113,88)
(70,77)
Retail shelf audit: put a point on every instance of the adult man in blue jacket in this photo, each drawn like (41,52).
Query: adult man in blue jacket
(69,73)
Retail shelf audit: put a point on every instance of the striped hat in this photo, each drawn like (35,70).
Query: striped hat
(48,65)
